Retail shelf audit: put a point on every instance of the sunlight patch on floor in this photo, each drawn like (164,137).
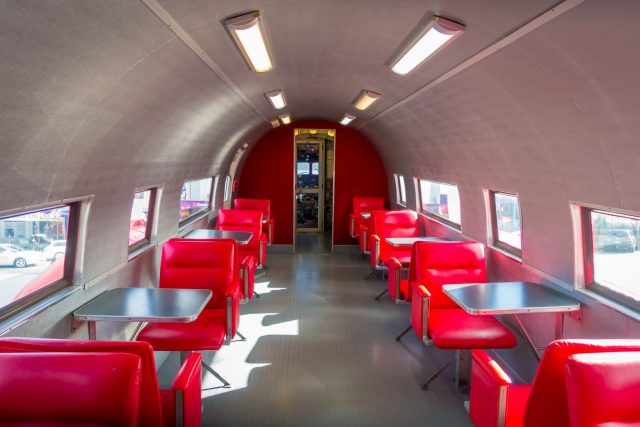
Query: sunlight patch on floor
(231,361)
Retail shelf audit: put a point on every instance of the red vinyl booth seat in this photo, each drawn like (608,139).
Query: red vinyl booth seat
(49,389)
(262,205)
(435,318)
(156,407)
(603,389)
(358,226)
(391,224)
(399,288)
(496,401)
(246,220)
(199,264)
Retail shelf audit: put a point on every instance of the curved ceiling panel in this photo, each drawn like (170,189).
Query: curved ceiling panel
(94,91)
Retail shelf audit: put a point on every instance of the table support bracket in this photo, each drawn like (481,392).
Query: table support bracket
(527,336)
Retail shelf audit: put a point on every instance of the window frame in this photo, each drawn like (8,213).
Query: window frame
(587,270)
(151,217)
(227,189)
(76,230)
(433,215)
(182,222)
(493,225)
(399,199)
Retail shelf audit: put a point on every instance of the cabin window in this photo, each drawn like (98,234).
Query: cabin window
(34,249)
(401,190)
(440,200)
(141,219)
(613,254)
(506,222)
(195,198)
(227,188)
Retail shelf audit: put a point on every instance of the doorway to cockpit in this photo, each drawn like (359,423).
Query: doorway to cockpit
(313,193)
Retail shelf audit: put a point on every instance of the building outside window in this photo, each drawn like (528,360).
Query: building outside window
(441,200)
(195,198)
(506,222)
(33,248)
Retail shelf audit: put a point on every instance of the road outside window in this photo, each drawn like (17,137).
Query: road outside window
(616,259)
(32,252)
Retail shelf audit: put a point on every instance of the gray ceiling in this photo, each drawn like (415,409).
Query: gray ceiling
(327,51)
(101,97)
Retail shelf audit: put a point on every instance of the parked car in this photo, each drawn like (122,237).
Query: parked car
(620,240)
(12,255)
(21,242)
(55,250)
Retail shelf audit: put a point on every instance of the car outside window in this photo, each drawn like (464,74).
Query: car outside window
(27,261)
(614,255)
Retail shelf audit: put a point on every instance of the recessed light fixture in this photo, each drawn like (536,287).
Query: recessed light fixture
(346,119)
(276,98)
(436,34)
(248,33)
(285,119)
(275,123)
(365,99)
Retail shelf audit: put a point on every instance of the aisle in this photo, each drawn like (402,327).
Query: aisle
(321,352)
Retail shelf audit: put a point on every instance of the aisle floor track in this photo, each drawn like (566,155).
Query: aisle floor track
(321,352)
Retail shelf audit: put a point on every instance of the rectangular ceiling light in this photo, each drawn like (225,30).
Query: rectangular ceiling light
(348,118)
(285,119)
(365,99)
(248,33)
(276,98)
(435,35)
(275,123)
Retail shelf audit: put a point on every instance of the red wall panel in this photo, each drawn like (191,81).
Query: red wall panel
(267,173)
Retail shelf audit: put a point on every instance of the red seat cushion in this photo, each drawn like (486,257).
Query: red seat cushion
(40,389)
(456,329)
(603,388)
(207,332)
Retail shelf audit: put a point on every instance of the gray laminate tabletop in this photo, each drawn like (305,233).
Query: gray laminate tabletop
(242,237)
(145,305)
(408,241)
(509,298)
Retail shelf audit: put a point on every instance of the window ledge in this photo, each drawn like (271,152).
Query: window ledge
(140,251)
(506,253)
(183,228)
(457,229)
(611,303)
(36,309)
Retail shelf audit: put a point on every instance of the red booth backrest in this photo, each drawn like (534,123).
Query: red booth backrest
(69,388)
(262,205)
(200,264)
(241,220)
(367,204)
(548,404)
(394,224)
(441,263)
(150,411)
(603,387)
